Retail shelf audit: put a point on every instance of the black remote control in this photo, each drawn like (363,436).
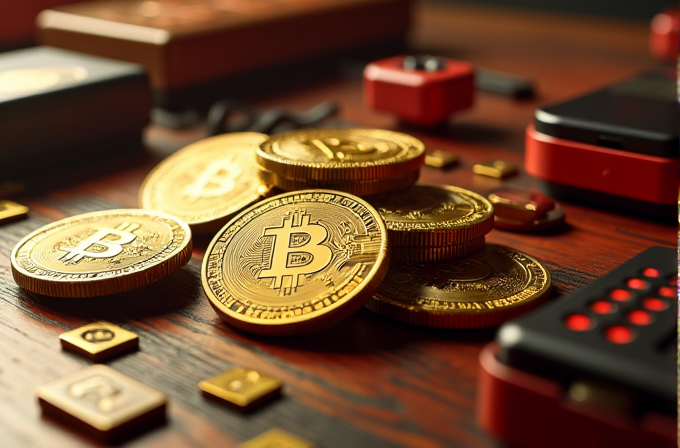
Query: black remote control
(611,343)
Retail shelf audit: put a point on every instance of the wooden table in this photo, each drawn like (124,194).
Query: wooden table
(368,382)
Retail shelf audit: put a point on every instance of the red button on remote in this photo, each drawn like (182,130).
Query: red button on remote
(620,295)
(602,307)
(651,272)
(639,317)
(619,334)
(579,322)
(667,292)
(654,304)
(636,283)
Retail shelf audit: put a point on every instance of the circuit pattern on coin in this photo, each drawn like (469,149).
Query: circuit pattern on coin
(434,215)
(101,253)
(482,290)
(207,182)
(341,154)
(296,262)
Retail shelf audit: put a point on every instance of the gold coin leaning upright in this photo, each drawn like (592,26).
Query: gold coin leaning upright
(296,262)
(434,215)
(480,291)
(101,253)
(207,182)
(341,154)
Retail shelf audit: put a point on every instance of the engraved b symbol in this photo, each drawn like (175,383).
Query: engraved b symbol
(113,248)
(297,250)
(216,180)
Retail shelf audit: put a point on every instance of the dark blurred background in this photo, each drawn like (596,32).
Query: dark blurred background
(633,9)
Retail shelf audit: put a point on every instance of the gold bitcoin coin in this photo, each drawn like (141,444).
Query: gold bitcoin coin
(207,182)
(357,188)
(296,262)
(480,291)
(436,253)
(434,215)
(101,253)
(341,154)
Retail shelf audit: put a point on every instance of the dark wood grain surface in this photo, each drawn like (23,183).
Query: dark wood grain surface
(367,382)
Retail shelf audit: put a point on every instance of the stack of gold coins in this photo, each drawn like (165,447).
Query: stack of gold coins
(357,161)
(442,273)
(429,222)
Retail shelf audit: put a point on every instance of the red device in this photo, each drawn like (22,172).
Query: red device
(423,90)
(611,171)
(529,411)
(616,147)
(665,34)
(593,369)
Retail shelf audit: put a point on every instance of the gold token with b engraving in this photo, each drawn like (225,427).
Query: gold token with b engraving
(483,290)
(341,155)
(101,253)
(296,262)
(207,182)
(434,215)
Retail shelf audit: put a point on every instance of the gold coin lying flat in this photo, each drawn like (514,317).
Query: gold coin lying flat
(434,215)
(480,291)
(296,262)
(207,182)
(101,253)
(341,154)
(357,188)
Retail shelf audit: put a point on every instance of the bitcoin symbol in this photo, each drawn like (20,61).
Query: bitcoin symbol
(297,250)
(334,148)
(216,180)
(113,248)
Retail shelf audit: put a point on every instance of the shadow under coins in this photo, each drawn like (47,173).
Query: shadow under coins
(173,292)
(364,332)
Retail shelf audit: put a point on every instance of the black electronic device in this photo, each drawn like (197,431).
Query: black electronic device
(618,333)
(638,114)
(61,109)
(616,147)
(596,369)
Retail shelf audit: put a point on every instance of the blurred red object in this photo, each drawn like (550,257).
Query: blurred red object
(423,90)
(17,20)
(665,34)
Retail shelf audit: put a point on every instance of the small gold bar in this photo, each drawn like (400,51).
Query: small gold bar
(441,159)
(11,211)
(102,403)
(498,169)
(99,340)
(276,438)
(241,388)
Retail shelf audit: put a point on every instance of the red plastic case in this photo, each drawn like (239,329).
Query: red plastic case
(419,96)
(528,411)
(621,173)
